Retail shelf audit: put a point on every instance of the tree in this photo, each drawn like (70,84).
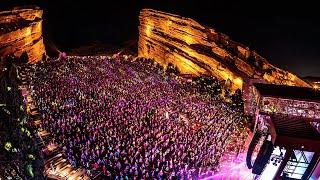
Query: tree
(24,58)
(236,100)
(170,69)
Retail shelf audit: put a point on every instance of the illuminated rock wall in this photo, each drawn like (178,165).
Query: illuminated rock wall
(196,49)
(21,31)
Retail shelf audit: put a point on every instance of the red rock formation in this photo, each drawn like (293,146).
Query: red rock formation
(21,31)
(196,49)
(313,81)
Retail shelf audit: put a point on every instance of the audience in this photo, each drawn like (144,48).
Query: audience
(131,120)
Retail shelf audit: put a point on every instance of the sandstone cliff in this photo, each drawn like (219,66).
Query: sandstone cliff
(196,49)
(21,31)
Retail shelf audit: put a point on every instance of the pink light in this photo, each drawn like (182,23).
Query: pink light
(233,166)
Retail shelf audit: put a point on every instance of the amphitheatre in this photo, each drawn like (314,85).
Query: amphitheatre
(191,103)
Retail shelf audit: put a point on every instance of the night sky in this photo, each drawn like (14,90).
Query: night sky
(288,35)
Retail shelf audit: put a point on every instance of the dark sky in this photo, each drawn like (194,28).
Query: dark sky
(288,35)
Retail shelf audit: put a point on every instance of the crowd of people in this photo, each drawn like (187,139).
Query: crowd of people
(130,119)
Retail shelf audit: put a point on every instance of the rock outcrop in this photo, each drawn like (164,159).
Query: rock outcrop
(313,81)
(196,49)
(21,31)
